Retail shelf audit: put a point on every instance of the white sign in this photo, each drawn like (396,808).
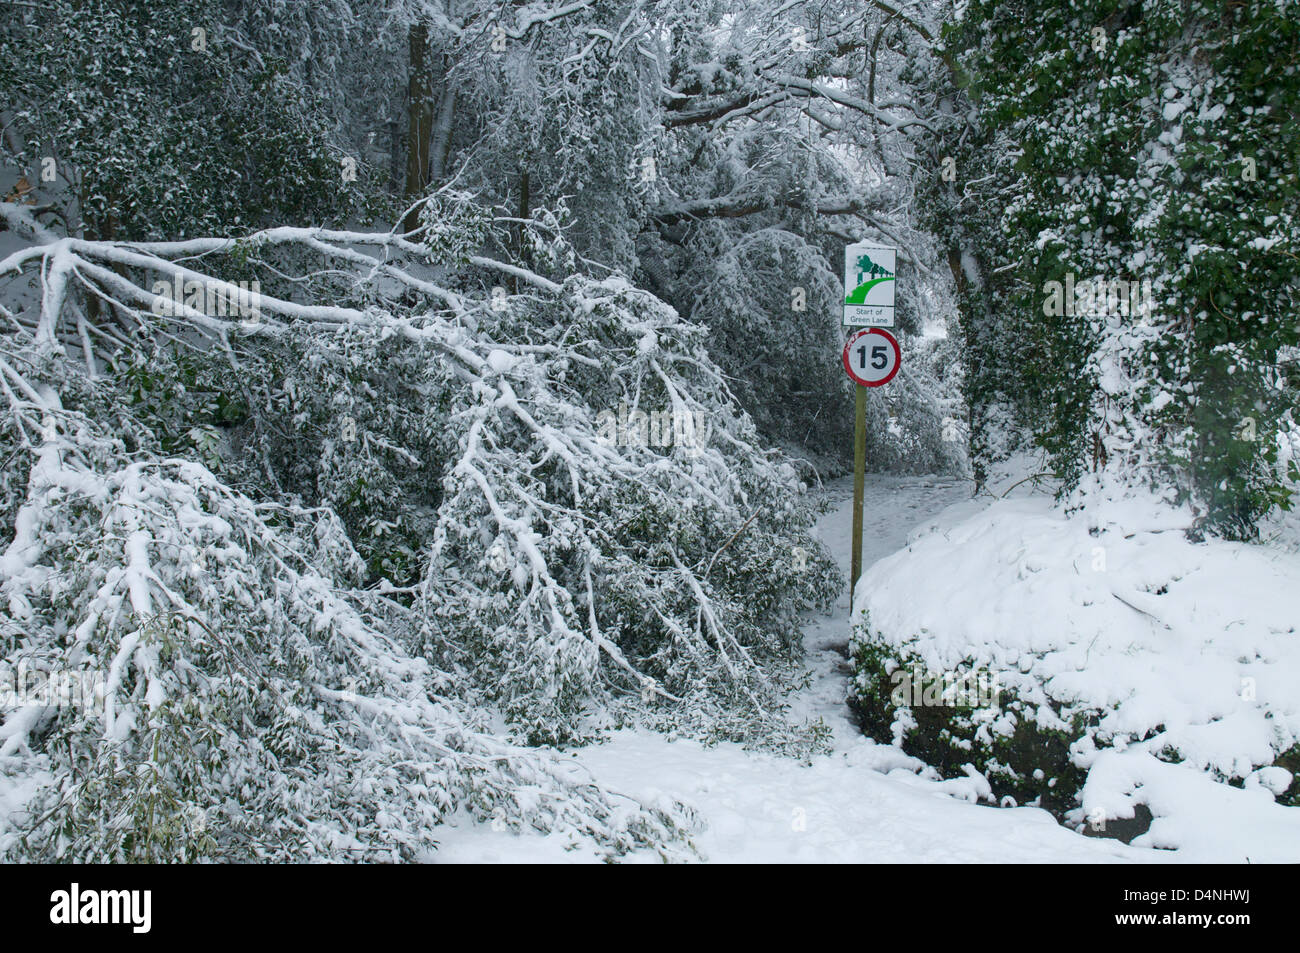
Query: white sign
(872,357)
(869,285)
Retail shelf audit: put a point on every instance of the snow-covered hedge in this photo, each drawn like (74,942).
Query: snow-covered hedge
(330,563)
(1085,655)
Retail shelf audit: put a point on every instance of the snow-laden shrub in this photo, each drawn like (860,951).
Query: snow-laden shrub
(772,309)
(1068,640)
(608,527)
(243,702)
(314,550)
(246,705)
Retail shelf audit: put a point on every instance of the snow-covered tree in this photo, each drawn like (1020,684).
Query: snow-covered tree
(352,525)
(137,120)
(309,540)
(1129,201)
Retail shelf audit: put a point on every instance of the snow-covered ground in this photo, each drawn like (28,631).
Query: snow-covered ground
(864,802)
(1179,659)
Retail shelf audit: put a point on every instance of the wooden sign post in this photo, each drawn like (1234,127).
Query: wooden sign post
(869,286)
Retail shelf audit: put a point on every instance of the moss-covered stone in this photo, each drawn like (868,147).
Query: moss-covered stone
(1003,740)
(1030,764)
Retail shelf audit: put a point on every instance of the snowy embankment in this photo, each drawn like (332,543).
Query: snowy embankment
(1170,667)
(862,802)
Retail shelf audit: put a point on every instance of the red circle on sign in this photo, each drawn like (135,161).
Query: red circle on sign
(890,371)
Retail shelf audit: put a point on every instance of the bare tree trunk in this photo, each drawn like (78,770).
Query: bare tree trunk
(442,129)
(420,107)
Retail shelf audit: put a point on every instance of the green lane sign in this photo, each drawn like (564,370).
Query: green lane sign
(869,271)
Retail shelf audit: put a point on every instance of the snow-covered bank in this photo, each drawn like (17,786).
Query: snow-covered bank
(863,802)
(1112,632)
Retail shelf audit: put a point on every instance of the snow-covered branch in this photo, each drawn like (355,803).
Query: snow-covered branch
(537,504)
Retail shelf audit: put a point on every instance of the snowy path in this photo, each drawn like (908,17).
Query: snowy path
(892,507)
(860,803)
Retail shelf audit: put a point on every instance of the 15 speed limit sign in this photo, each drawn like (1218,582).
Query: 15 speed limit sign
(872,357)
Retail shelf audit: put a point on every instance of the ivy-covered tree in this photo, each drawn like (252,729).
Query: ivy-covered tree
(1133,221)
(142,120)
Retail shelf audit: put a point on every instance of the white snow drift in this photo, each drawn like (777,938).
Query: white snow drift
(1186,654)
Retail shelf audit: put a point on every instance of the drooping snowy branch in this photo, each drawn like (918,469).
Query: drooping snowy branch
(544,501)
